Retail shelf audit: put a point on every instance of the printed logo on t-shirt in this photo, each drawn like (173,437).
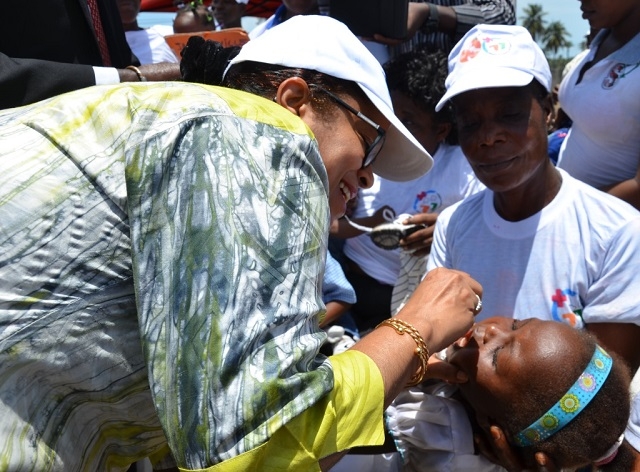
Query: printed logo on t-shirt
(612,77)
(427,202)
(566,308)
(619,71)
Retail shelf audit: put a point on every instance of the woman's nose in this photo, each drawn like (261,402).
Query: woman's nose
(490,134)
(365,177)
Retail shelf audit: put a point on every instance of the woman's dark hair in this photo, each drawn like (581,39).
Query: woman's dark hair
(204,61)
(587,437)
(421,75)
(540,93)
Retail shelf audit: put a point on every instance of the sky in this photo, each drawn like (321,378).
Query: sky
(567,12)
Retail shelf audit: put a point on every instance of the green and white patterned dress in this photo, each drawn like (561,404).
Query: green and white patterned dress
(161,250)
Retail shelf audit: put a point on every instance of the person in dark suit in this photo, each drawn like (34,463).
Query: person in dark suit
(52,47)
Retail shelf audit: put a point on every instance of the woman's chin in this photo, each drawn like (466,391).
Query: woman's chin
(338,208)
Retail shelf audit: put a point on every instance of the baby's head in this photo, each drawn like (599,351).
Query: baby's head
(548,386)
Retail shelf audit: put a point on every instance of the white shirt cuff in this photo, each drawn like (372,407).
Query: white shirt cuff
(106,75)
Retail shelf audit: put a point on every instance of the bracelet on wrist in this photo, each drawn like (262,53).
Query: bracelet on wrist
(141,77)
(422,351)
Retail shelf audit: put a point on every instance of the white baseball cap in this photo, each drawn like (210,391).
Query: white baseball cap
(495,56)
(326,45)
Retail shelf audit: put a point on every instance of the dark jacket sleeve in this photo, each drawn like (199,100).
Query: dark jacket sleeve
(24,81)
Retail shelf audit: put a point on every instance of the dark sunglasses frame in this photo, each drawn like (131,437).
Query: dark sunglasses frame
(373,149)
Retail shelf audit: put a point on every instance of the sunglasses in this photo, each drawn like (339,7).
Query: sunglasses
(373,149)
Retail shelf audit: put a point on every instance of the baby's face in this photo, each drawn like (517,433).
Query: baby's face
(503,357)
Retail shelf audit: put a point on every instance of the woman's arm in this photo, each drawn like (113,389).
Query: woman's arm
(628,190)
(442,309)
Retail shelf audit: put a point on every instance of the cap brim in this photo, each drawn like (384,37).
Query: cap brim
(324,44)
(485,78)
(402,157)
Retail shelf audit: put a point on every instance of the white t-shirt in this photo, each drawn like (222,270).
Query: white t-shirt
(450,180)
(150,47)
(602,147)
(575,261)
(572,261)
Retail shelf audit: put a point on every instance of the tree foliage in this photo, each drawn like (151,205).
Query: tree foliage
(534,21)
(552,37)
(555,37)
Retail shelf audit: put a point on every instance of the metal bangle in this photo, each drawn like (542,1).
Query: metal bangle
(422,351)
(141,77)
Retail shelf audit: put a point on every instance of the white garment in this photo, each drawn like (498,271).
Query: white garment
(632,433)
(150,47)
(380,51)
(602,147)
(432,433)
(575,261)
(451,179)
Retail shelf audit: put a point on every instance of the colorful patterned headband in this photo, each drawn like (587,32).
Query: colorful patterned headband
(572,403)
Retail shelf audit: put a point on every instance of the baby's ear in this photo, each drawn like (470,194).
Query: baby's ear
(507,455)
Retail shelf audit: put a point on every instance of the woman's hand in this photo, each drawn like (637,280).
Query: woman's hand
(442,309)
(445,303)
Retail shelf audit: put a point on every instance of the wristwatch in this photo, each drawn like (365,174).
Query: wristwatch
(433,22)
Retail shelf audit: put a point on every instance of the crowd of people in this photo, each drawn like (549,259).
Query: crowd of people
(317,251)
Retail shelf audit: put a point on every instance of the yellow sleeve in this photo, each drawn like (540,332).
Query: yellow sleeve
(350,415)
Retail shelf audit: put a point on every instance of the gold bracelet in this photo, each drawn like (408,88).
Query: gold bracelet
(422,351)
(141,77)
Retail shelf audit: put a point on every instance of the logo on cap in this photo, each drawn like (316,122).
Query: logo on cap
(493,46)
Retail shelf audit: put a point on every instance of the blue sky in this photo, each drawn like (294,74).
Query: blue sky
(566,11)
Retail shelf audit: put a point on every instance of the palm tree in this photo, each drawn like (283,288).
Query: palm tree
(534,21)
(555,37)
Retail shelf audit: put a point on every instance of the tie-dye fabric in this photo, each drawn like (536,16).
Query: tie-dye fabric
(161,247)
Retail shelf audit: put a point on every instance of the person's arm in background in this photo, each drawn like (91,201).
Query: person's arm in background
(337,293)
(419,243)
(629,190)
(454,20)
(25,81)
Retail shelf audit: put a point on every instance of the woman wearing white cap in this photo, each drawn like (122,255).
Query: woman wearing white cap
(162,246)
(541,242)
